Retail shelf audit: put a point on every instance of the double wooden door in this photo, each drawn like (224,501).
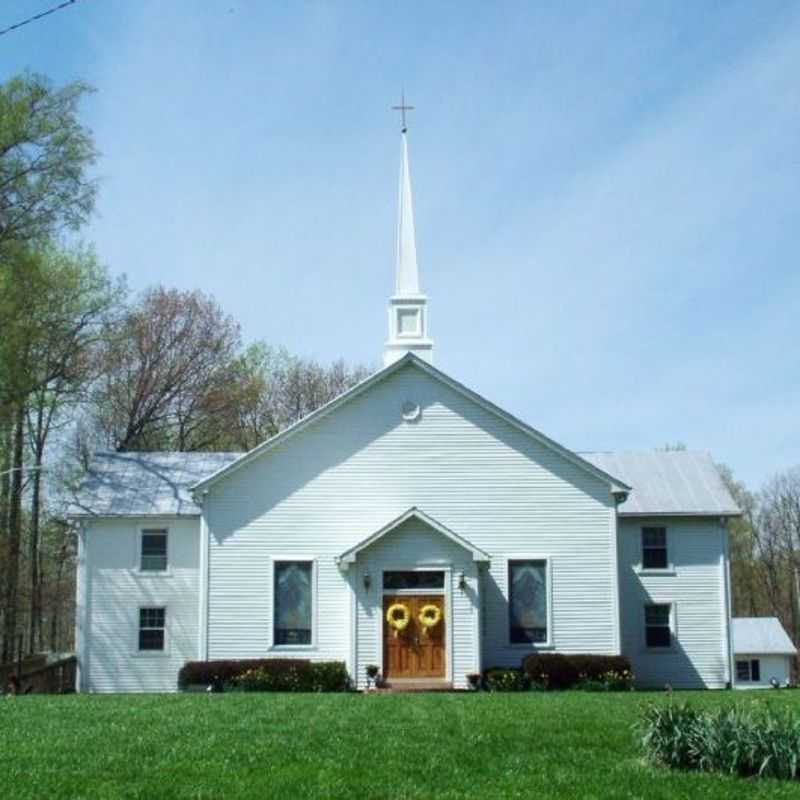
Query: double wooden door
(416,651)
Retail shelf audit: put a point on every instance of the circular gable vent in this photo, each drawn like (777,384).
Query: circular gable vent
(411,411)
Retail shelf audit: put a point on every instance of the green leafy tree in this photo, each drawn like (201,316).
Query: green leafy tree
(45,155)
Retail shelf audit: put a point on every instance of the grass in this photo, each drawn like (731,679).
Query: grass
(571,745)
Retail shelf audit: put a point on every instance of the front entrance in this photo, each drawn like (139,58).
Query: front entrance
(417,651)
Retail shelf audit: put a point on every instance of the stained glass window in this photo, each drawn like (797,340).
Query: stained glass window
(293,602)
(527,589)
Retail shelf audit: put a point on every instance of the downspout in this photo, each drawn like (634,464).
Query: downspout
(726,572)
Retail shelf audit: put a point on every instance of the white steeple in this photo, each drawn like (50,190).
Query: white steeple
(408,315)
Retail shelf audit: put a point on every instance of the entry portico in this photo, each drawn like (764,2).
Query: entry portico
(413,561)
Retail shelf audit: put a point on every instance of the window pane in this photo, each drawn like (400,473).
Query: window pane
(293,602)
(413,580)
(527,582)
(151,639)
(755,670)
(658,637)
(742,670)
(151,617)
(654,558)
(654,537)
(657,615)
(154,551)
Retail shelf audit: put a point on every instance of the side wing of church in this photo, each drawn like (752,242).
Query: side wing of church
(409,524)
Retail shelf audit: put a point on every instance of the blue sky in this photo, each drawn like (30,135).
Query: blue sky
(607,195)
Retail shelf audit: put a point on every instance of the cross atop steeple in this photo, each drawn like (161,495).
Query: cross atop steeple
(402,108)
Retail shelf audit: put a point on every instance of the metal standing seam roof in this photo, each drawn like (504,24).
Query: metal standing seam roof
(159,484)
(761,636)
(680,482)
(144,484)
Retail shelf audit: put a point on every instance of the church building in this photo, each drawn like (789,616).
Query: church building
(410,524)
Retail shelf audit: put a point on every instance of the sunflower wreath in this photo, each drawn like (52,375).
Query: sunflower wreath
(429,616)
(398,616)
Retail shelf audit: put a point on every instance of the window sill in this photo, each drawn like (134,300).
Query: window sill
(293,648)
(650,571)
(150,654)
(533,647)
(146,573)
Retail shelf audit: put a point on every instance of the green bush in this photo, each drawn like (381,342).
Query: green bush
(322,676)
(606,682)
(503,679)
(737,740)
(590,672)
(267,675)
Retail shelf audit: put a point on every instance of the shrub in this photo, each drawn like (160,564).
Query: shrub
(267,674)
(502,679)
(607,682)
(558,671)
(739,741)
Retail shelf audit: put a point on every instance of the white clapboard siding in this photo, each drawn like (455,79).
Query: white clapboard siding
(697,590)
(113,591)
(347,475)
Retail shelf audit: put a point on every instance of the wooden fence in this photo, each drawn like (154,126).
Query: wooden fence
(57,677)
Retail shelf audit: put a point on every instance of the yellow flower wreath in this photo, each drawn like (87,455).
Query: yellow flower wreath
(430,616)
(398,616)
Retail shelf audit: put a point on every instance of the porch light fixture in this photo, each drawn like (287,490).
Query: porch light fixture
(367,581)
(462,582)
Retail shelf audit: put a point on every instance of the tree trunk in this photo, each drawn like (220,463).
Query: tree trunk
(14,537)
(35,607)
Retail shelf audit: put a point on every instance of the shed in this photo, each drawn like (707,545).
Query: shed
(763,652)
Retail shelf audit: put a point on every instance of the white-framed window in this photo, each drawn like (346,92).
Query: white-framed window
(293,602)
(655,554)
(748,670)
(658,625)
(529,601)
(153,550)
(152,629)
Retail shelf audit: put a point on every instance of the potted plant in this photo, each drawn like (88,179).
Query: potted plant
(474,679)
(372,675)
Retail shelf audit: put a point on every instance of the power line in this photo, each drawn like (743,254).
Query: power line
(37,16)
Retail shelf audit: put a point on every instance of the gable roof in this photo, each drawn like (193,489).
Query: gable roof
(615,484)
(679,482)
(349,556)
(761,635)
(144,484)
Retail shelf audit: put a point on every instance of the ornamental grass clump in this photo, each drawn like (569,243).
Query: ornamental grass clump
(748,741)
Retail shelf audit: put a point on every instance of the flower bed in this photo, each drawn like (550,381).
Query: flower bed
(266,675)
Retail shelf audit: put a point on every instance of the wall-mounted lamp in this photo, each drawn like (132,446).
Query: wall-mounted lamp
(462,582)
(367,581)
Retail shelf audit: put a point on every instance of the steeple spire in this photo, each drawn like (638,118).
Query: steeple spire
(407,307)
(407,273)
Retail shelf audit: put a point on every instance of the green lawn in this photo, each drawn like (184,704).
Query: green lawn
(310,746)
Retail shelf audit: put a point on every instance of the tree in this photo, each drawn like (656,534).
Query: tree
(52,302)
(271,389)
(44,157)
(165,363)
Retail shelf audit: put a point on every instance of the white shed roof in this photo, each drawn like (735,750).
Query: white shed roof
(679,482)
(144,484)
(760,636)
